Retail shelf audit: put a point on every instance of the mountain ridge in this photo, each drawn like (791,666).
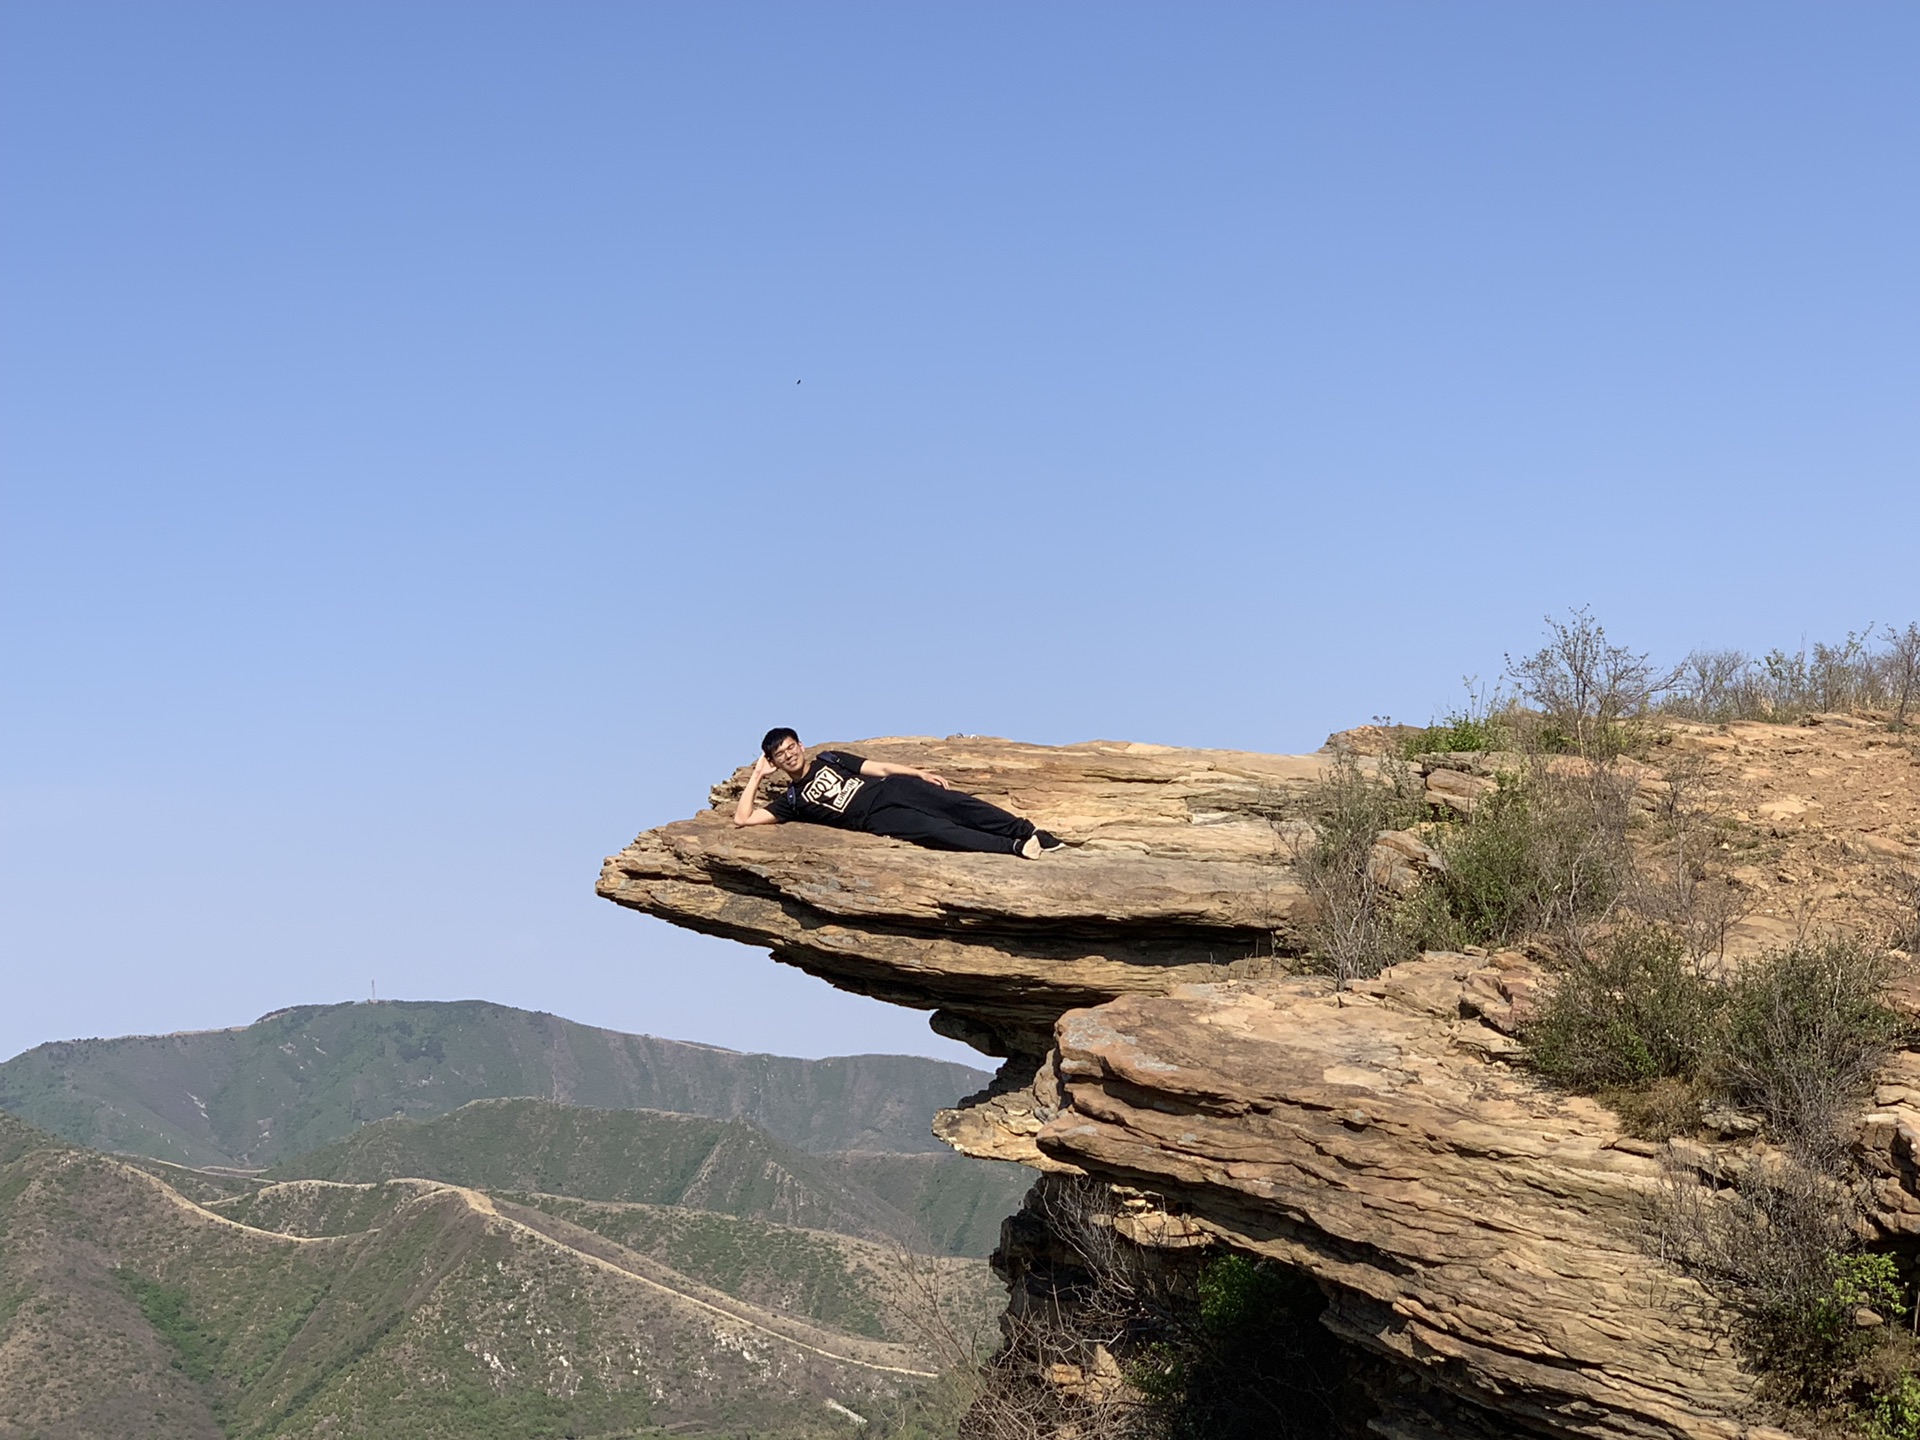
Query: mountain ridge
(301,1076)
(662,1158)
(420,1308)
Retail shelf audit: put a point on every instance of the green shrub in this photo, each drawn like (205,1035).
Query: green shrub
(1485,722)
(1809,1338)
(1866,1281)
(1491,866)
(1462,732)
(1543,852)
(1893,1414)
(1234,1291)
(1631,1010)
(196,1350)
(1251,1359)
(1237,1298)
(1805,1031)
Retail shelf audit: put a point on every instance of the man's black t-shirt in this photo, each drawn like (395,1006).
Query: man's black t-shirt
(831,792)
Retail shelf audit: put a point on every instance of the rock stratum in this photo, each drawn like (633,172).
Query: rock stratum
(1477,1233)
(1175,869)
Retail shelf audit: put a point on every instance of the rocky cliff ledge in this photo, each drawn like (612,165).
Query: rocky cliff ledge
(1473,1230)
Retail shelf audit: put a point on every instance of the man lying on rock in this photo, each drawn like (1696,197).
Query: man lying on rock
(840,788)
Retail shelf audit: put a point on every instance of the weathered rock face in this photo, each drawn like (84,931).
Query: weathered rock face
(1482,1230)
(1478,1233)
(1176,871)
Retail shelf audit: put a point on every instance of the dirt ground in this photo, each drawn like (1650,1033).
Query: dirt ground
(1817,824)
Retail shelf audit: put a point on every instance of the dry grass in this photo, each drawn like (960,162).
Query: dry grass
(1109,1340)
(1869,670)
(1357,926)
(1782,1248)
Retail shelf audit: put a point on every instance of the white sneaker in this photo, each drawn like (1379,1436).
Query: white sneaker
(1029,848)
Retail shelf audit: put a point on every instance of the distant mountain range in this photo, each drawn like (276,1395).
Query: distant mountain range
(298,1079)
(421,1310)
(424,1221)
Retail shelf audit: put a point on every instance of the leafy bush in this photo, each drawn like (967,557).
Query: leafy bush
(1233,1289)
(1544,852)
(1810,1333)
(1868,1281)
(1235,1302)
(1254,1359)
(1631,1010)
(1794,1037)
(1486,722)
(1805,1032)
(1457,734)
(196,1350)
(1491,867)
(1894,1414)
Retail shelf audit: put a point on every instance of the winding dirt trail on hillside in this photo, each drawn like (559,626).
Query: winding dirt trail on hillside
(621,1262)
(485,1205)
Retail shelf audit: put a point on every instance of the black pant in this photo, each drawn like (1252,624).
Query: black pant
(908,808)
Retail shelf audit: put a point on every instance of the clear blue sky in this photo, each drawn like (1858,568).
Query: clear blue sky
(408,497)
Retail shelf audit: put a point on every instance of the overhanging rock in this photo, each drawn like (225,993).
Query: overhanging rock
(1179,868)
(1480,1233)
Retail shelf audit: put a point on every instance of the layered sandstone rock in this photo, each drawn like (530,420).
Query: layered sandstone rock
(1463,1220)
(1479,1234)
(1178,868)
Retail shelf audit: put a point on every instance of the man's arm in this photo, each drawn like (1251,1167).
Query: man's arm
(880,769)
(747,811)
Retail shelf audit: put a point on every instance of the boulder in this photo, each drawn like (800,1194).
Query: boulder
(1400,860)
(1458,790)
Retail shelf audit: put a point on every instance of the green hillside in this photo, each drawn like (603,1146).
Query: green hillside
(420,1311)
(17,1137)
(836,1281)
(941,1204)
(647,1156)
(299,1078)
(955,1203)
(800,1272)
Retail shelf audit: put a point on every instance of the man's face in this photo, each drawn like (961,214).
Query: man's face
(789,757)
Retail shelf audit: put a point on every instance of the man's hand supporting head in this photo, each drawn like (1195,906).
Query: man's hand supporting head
(781,750)
(748,810)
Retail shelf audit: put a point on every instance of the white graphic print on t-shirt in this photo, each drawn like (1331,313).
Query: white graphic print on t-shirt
(828,787)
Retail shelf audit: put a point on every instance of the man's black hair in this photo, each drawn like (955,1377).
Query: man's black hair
(777,737)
